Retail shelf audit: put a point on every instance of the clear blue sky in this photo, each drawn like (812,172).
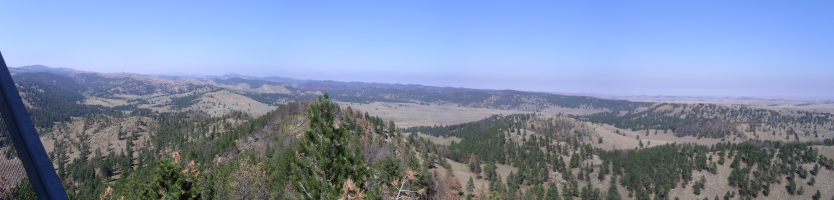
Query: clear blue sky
(715,48)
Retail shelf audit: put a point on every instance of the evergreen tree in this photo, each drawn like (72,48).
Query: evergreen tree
(326,158)
(553,192)
(128,163)
(791,186)
(613,194)
(494,196)
(574,160)
(490,170)
(473,165)
(171,182)
(697,189)
(566,192)
(26,192)
(470,185)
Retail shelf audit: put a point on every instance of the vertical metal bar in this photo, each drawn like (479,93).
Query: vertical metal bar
(26,140)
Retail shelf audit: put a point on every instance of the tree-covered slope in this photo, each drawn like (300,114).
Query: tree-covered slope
(191,155)
(49,104)
(252,83)
(538,147)
(62,82)
(707,120)
(504,100)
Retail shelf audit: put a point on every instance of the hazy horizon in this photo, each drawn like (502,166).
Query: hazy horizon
(735,49)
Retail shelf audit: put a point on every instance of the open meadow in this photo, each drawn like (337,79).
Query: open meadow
(412,114)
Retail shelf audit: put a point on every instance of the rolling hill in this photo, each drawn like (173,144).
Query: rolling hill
(248,135)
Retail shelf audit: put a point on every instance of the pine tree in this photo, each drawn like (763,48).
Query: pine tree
(26,192)
(566,192)
(473,166)
(494,196)
(553,192)
(490,170)
(574,160)
(613,194)
(128,165)
(470,185)
(172,182)
(697,189)
(801,190)
(326,159)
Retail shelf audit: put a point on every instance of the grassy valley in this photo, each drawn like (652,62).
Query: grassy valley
(243,137)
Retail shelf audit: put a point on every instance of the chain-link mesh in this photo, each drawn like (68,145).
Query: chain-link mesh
(12,174)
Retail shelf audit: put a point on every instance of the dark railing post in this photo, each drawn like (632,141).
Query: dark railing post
(26,141)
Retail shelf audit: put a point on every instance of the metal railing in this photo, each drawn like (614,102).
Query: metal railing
(27,143)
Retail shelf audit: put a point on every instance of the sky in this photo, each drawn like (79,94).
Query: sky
(677,48)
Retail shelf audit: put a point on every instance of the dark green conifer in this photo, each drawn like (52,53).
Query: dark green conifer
(326,159)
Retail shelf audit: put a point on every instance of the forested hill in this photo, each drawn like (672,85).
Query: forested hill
(105,85)
(707,120)
(147,137)
(127,92)
(268,91)
(555,160)
(504,100)
(109,86)
(251,83)
(48,104)
(62,82)
(336,85)
(53,98)
(301,150)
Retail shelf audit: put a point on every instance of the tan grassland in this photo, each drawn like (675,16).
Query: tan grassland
(90,100)
(613,141)
(215,103)
(411,114)
(463,174)
(105,139)
(437,140)
(223,102)
(775,104)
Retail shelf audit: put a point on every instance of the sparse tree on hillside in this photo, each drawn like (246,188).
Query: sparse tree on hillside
(490,170)
(553,192)
(473,166)
(470,185)
(613,194)
(574,160)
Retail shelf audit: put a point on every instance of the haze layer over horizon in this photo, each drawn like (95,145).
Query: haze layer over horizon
(758,49)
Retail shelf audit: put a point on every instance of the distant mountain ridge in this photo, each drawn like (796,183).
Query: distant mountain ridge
(274,90)
(307,84)
(41,68)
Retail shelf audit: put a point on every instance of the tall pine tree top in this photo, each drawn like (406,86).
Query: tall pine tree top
(326,157)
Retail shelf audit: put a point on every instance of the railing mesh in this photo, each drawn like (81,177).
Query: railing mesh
(12,175)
